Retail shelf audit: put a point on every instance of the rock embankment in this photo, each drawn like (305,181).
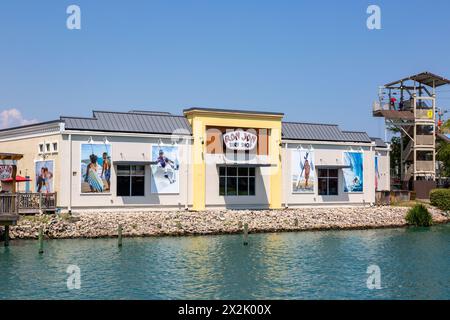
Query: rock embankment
(104,223)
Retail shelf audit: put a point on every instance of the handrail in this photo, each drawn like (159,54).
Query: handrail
(27,202)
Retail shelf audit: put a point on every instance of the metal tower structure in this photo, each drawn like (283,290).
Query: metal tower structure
(409,105)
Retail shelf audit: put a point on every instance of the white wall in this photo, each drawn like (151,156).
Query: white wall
(384,181)
(128,148)
(328,154)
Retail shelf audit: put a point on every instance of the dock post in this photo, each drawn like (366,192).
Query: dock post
(119,236)
(41,240)
(245,234)
(6,236)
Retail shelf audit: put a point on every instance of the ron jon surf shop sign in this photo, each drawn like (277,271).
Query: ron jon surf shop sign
(240,140)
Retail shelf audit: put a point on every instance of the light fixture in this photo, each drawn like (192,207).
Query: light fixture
(90,140)
(105,140)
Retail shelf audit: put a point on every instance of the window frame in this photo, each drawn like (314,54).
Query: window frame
(238,177)
(53,144)
(327,177)
(130,175)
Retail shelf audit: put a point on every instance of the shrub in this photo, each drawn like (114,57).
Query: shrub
(440,198)
(419,216)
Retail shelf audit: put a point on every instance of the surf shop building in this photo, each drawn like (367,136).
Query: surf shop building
(205,158)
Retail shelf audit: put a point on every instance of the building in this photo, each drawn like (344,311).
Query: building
(409,105)
(205,158)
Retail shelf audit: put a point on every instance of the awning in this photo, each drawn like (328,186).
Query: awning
(332,166)
(245,165)
(18,179)
(254,161)
(134,163)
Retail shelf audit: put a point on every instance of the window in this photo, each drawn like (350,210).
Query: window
(41,148)
(328,182)
(47,147)
(236,181)
(130,180)
(55,146)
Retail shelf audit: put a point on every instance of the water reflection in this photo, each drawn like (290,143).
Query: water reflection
(325,265)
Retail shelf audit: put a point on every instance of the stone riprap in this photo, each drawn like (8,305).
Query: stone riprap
(141,223)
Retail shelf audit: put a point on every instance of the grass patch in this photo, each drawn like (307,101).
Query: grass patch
(39,218)
(419,216)
(408,203)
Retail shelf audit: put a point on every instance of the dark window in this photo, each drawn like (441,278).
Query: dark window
(130,180)
(236,181)
(328,182)
(123,186)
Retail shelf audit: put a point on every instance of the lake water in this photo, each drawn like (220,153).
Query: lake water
(414,264)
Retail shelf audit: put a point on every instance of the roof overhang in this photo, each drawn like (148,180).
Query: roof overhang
(214,111)
(10,156)
(425,78)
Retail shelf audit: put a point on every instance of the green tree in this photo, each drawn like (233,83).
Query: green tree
(395,154)
(443,150)
(443,155)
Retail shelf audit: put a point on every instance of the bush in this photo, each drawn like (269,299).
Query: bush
(440,198)
(419,216)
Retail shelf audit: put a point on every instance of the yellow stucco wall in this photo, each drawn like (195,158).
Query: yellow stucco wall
(200,119)
(29,147)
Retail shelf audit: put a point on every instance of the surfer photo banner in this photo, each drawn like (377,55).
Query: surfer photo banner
(165,171)
(354,174)
(95,168)
(303,171)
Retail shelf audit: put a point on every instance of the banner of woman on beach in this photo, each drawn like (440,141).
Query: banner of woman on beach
(95,168)
(303,171)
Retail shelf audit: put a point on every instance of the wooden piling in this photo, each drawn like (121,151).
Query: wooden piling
(6,236)
(245,234)
(119,236)
(41,240)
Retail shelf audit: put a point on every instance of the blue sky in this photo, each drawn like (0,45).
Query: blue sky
(313,60)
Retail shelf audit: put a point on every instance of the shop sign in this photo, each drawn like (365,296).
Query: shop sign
(5,172)
(240,140)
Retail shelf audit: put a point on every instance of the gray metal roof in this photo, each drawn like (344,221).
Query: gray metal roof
(166,123)
(321,132)
(379,143)
(356,136)
(139,122)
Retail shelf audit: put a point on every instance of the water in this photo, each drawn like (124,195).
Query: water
(414,262)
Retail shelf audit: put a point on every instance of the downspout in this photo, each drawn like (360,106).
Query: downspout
(70,174)
(284,159)
(188,152)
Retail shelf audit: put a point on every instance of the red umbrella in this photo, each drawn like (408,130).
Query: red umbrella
(18,179)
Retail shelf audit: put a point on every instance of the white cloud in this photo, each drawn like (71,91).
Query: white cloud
(13,118)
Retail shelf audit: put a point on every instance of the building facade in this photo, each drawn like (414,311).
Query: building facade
(205,158)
